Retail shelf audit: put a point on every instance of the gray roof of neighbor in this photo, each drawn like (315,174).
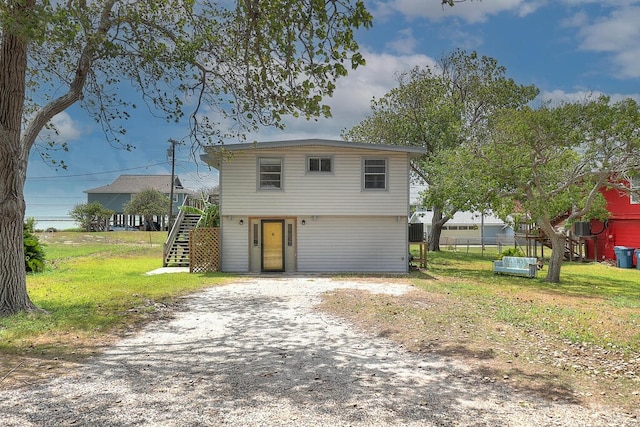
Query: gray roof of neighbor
(132,184)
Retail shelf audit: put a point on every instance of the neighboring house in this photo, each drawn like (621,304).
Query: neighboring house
(313,206)
(467,228)
(115,195)
(621,229)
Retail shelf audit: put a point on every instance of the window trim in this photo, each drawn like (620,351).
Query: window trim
(364,174)
(320,158)
(259,186)
(634,185)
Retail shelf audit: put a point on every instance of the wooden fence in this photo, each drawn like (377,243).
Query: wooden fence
(204,250)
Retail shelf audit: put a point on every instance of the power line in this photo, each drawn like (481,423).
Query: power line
(93,173)
(54,197)
(47,204)
(53,218)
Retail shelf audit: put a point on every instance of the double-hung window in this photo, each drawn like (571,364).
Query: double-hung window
(270,173)
(374,174)
(319,164)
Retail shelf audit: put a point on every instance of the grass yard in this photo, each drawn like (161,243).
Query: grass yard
(576,341)
(93,291)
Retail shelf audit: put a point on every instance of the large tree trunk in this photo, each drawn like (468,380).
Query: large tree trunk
(13,284)
(13,168)
(557,252)
(436,229)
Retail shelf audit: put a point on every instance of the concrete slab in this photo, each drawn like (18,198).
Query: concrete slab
(166,270)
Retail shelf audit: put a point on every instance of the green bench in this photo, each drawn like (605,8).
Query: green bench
(521,266)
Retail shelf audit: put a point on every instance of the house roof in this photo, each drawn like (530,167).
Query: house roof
(132,184)
(459,218)
(213,154)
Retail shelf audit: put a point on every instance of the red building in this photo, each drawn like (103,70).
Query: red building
(621,229)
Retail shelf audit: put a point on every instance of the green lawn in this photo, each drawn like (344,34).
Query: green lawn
(95,287)
(593,302)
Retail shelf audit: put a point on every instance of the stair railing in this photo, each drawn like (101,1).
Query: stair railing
(171,238)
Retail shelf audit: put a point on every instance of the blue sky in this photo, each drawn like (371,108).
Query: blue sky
(567,48)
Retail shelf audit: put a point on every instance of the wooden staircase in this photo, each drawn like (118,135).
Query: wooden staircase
(176,248)
(574,249)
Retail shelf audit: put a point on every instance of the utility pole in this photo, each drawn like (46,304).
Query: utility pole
(172,153)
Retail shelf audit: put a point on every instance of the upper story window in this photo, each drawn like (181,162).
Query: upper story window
(270,173)
(635,188)
(319,164)
(374,174)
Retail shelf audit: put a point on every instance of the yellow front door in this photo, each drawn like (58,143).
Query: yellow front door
(272,245)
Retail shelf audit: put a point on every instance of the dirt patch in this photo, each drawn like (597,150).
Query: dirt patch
(525,359)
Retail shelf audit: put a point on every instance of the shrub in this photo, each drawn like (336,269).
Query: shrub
(209,213)
(34,255)
(511,252)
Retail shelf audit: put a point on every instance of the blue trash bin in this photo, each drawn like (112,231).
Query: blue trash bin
(638,259)
(624,256)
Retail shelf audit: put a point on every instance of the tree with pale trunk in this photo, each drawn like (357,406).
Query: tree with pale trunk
(249,63)
(551,163)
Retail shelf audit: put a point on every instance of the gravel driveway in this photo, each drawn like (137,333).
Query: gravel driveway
(255,353)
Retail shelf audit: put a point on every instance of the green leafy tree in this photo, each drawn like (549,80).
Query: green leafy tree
(91,216)
(34,254)
(443,108)
(148,203)
(248,63)
(551,163)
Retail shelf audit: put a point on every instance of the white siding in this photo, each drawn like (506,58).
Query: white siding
(336,193)
(350,244)
(347,229)
(235,244)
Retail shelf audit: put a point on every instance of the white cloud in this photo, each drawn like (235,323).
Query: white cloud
(461,38)
(617,34)
(351,101)
(405,43)
(199,179)
(557,96)
(470,11)
(576,20)
(529,7)
(68,129)
(617,3)
(354,93)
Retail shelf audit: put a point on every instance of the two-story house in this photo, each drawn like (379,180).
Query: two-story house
(313,206)
(116,195)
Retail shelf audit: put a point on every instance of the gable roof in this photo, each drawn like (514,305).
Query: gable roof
(132,184)
(214,153)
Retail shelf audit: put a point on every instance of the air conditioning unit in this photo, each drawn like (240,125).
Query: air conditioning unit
(582,228)
(416,232)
